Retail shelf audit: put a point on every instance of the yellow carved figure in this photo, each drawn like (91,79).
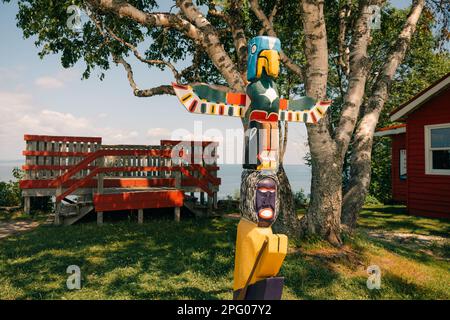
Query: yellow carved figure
(270,61)
(250,239)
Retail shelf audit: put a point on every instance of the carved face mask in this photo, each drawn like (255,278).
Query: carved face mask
(266,193)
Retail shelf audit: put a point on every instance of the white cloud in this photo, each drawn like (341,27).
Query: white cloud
(11,74)
(155,135)
(158,132)
(48,82)
(56,81)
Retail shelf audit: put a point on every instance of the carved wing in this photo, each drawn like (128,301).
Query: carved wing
(204,99)
(305,109)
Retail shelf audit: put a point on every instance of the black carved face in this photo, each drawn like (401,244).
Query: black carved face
(266,193)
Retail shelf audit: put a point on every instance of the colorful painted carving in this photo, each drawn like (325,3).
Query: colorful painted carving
(259,252)
(261,104)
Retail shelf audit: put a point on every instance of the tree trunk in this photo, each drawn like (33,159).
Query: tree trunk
(287,222)
(360,172)
(323,217)
(363,139)
(324,213)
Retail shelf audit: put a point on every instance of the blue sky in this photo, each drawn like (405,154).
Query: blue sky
(40,97)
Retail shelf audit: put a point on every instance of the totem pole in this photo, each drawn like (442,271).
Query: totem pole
(259,252)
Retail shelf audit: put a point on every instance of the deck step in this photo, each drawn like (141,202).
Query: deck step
(197,209)
(73,209)
(68,220)
(138,199)
(69,213)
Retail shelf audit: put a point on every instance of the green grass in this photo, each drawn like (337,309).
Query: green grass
(194,260)
(394,218)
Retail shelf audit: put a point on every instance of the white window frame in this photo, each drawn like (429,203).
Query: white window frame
(428,151)
(403,155)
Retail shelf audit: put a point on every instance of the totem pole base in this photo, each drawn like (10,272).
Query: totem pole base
(267,289)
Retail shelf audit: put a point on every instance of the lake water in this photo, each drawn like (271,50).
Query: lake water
(299,177)
(6,168)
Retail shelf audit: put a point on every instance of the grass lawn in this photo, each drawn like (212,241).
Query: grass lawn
(194,260)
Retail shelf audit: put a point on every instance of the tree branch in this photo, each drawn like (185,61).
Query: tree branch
(195,26)
(212,45)
(136,53)
(270,18)
(359,67)
(398,52)
(268,26)
(238,34)
(164,89)
(344,13)
(233,18)
(157,19)
(363,139)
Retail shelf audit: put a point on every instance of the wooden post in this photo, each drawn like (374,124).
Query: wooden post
(41,159)
(27,205)
(33,160)
(177,214)
(215,200)
(57,211)
(202,198)
(58,206)
(99,218)
(210,205)
(100,176)
(141,216)
(48,161)
(177,179)
(178,186)
(210,200)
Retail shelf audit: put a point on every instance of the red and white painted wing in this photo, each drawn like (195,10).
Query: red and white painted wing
(194,104)
(312,115)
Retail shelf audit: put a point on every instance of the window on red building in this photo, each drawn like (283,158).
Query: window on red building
(437,145)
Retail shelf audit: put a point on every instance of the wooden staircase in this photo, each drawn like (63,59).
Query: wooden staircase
(70,213)
(199,210)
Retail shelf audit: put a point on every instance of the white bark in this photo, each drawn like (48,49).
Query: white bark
(359,68)
(363,138)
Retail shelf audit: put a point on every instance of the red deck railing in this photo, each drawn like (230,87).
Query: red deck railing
(70,163)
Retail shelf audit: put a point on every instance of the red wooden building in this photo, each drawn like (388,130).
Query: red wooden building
(421,151)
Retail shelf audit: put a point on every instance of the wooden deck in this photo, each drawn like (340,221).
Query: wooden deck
(120,177)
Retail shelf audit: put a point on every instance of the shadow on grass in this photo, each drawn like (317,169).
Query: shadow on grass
(160,259)
(395,218)
(403,289)
(36,262)
(304,275)
(415,252)
(193,259)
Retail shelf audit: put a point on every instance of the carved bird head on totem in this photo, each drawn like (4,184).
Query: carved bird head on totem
(263,57)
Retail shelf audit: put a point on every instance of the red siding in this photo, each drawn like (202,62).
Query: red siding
(428,195)
(399,186)
(138,200)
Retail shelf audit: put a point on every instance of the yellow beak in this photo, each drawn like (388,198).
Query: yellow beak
(269,60)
